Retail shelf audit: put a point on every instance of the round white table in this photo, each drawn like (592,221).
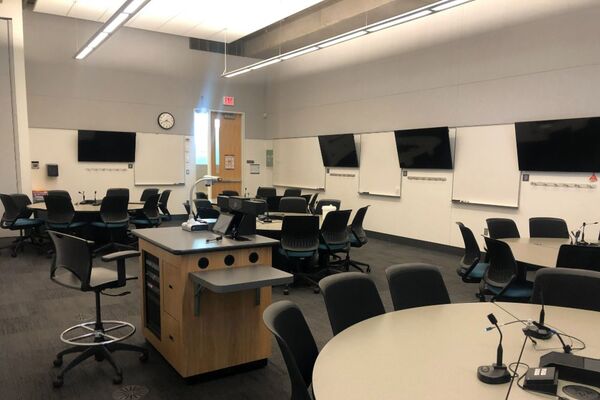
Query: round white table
(433,352)
(85,208)
(540,252)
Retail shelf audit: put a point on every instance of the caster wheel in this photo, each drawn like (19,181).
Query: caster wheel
(58,382)
(316,290)
(118,379)
(58,362)
(144,357)
(286,292)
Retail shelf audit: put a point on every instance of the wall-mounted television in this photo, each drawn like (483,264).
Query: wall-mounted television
(562,145)
(427,148)
(338,150)
(103,146)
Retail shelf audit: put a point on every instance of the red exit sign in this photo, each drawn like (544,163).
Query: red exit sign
(228,101)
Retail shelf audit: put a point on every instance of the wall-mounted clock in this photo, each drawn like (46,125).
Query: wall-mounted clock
(166,120)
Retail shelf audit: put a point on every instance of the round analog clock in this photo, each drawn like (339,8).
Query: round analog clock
(166,120)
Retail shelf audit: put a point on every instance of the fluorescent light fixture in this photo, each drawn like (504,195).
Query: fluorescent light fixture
(98,39)
(299,53)
(133,6)
(449,4)
(342,39)
(265,64)
(236,73)
(83,53)
(399,20)
(115,23)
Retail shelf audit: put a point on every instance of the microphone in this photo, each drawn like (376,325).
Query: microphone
(496,373)
(533,329)
(567,349)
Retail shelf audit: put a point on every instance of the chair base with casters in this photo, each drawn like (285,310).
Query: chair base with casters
(297,259)
(113,244)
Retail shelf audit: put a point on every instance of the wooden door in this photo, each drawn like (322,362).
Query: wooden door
(226,151)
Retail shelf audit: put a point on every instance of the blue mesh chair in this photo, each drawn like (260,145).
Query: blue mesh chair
(61,214)
(334,239)
(149,217)
(299,245)
(16,217)
(114,219)
(471,269)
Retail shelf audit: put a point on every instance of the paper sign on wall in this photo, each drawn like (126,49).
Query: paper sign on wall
(229,162)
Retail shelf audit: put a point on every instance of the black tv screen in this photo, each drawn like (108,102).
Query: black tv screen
(103,146)
(563,145)
(338,150)
(427,148)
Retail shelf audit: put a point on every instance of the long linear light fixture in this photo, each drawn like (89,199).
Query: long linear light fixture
(123,14)
(386,23)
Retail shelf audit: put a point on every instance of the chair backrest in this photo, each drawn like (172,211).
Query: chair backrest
(356,227)
(147,193)
(113,209)
(201,195)
(150,209)
(327,202)
(163,200)
(273,203)
(503,267)
(229,193)
(286,322)
(581,257)
(334,230)
(416,285)
(293,205)
(300,233)
(472,252)
(502,228)
(73,254)
(11,210)
(60,209)
(202,203)
(207,213)
(266,192)
(313,202)
(292,192)
(350,297)
(120,192)
(63,193)
(575,288)
(547,227)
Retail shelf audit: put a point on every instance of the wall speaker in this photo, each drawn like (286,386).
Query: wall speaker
(52,170)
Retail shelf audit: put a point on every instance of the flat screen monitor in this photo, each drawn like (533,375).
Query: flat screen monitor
(427,148)
(223,224)
(103,146)
(338,150)
(564,145)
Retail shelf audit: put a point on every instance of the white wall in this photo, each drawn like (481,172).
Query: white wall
(256,150)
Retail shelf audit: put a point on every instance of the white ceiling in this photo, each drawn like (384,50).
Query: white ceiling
(220,20)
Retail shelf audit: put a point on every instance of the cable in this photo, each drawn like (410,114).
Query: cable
(517,319)
(512,379)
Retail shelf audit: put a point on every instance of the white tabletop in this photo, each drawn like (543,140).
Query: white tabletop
(541,252)
(85,208)
(276,224)
(433,352)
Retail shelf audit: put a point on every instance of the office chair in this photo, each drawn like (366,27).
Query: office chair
(312,203)
(273,203)
(229,193)
(300,244)
(149,217)
(504,279)
(201,195)
(120,192)
(350,297)
(334,239)
(502,228)
(358,238)
(114,216)
(574,288)
(63,193)
(147,193)
(73,260)
(291,192)
(470,269)
(207,213)
(297,344)
(16,217)
(306,197)
(293,205)
(580,257)
(416,285)
(163,202)
(61,214)
(327,202)
(545,227)
(265,192)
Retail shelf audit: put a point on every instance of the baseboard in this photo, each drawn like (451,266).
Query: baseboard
(415,242)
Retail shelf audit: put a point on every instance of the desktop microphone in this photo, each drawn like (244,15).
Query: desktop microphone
(496,373)
(567,349)
(533,330)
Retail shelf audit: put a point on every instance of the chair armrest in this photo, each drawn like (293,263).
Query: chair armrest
(120,255)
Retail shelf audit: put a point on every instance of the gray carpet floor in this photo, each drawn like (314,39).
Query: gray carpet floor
(34,310)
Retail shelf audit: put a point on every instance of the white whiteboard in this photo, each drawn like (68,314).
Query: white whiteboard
(486,169)
(297,163)
(379,172)
(159,159)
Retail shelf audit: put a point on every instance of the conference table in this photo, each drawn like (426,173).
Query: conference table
(537,252)
(85,208)
(433,352)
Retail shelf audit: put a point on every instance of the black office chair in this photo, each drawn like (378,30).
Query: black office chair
(16,217)
(334,239)
(149,217)
(290,192)
(299,244)
(265,192)
(273,203)
(504,279)
(297,344)
(115,219)
(546,227)
(63,193)
(201,195)
(306,197)
(580,257)
(350,297)
(119,192)
(358,238)
(574,288)
(229,193)
(327,202)
(147,193)
(61,214)
(313,203)
(470,268)
(163,203)
(73,260)
(502,228)
(293,205)
(416,285)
